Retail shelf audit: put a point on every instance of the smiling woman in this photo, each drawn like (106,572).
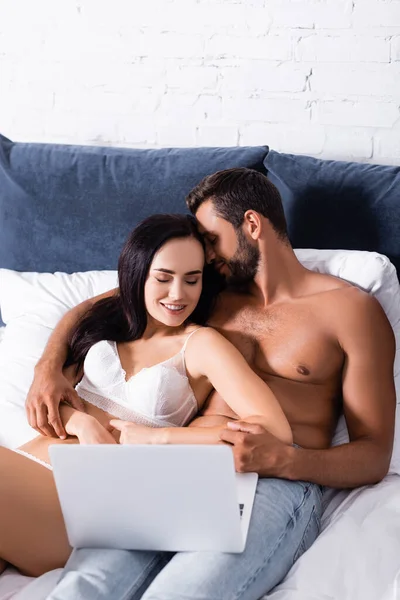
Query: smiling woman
(162,263)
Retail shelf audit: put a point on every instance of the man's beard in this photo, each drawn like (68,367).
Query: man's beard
(244,263)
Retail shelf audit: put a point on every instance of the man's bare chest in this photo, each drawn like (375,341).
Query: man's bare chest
(290,342)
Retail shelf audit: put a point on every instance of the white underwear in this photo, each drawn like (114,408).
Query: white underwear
(41,462)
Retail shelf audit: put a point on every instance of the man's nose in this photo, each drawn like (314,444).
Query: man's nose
(210,254)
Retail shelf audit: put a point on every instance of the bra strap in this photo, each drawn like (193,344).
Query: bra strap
(188,338)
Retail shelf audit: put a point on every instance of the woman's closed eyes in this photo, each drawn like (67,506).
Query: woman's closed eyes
(168,280)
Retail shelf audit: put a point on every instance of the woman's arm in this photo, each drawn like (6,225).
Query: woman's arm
(49,386)
(85,427)
(131,433)
(210,355)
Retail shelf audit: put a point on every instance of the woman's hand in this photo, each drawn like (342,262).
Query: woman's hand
(131,433)
(88,430)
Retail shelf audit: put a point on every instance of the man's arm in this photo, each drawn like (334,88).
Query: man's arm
(369,402)
(50,386)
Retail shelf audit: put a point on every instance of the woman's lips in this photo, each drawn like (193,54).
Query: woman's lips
(173,309)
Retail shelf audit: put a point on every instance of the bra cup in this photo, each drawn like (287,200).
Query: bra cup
(159,391)
(101,367)
(157,396)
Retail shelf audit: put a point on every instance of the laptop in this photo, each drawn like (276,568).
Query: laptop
(153,497)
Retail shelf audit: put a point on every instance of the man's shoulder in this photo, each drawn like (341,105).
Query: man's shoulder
(327,289)
(325,282)
(339,290)
(341,298)
(355,303)
(351,313)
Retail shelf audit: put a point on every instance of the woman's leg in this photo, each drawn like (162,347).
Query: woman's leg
(32,532)
(101,574)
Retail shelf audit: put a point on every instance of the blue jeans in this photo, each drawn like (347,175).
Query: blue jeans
(284,523)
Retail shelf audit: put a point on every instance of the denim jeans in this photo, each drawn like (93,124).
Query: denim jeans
(284,523)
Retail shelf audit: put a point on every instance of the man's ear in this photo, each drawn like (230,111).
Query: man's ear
(252,224)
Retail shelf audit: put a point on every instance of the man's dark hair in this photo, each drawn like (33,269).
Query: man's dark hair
(234,191)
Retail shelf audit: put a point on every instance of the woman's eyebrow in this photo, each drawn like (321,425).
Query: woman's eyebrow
(197,272)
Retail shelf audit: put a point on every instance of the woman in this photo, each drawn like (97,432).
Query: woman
(143,355)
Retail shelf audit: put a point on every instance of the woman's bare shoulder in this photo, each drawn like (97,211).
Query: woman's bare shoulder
(205,339)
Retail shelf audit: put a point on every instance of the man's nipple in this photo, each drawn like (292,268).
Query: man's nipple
(303,370)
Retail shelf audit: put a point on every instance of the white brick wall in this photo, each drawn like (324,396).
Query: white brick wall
(318,77)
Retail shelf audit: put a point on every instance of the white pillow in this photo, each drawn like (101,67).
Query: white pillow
(32,304)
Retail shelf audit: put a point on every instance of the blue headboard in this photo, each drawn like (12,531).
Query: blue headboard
(339,205)
(70,208)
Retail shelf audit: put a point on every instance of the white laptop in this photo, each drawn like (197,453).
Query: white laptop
(153,497)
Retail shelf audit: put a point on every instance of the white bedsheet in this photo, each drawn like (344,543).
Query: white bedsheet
(356,557)
(17,587)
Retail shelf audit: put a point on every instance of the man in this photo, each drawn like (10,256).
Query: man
(322,345)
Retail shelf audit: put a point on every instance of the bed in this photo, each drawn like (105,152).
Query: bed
(64,213)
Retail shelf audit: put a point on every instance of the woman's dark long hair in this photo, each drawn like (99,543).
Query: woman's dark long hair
(123,317)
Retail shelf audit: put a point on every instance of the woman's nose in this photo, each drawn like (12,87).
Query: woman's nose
(176,291)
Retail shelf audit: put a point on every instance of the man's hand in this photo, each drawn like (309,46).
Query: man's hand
(131,433)
(256,450)
(48,389)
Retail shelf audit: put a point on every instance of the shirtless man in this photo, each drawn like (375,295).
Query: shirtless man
(323,346)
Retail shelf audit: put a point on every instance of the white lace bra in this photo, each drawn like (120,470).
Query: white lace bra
(157,396)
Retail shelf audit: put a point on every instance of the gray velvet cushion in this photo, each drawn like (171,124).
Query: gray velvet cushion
(334,204)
